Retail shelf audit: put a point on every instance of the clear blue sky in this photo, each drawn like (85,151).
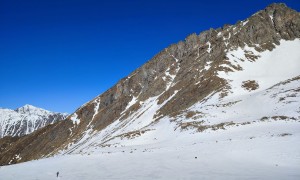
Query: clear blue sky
(59,54)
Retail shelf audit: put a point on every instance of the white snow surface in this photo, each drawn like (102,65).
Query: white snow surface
(75,119)
(132,102)
(256,151)
(245,22)
(209,47)
(262,142)
(271,67)
(96,109)
(268,100)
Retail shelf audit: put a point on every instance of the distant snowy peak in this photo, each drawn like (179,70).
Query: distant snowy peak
(26,119)
(31,110)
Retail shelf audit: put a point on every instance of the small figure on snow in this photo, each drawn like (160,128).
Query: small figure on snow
(57,174)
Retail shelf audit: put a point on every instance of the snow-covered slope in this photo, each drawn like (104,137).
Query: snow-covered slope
(262,88)
(248,134)
(275,98)
(25,120)
(262,150)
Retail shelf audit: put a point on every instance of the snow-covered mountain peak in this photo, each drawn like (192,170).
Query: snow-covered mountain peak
(31,109)
(26,119)
(28,106)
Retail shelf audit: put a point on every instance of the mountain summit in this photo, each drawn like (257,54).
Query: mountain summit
(237,82)
(27,108)
(25,120)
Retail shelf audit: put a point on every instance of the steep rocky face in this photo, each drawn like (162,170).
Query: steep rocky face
(174,85)
(25,120)
(183,68)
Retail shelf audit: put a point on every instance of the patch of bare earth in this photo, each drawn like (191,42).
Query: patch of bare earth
(250,85)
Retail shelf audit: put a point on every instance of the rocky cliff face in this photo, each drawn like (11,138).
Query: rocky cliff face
(25,120)
(180,84)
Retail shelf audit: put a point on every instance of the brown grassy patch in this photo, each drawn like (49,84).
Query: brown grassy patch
(250,85)
(133,134)
(190,114)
